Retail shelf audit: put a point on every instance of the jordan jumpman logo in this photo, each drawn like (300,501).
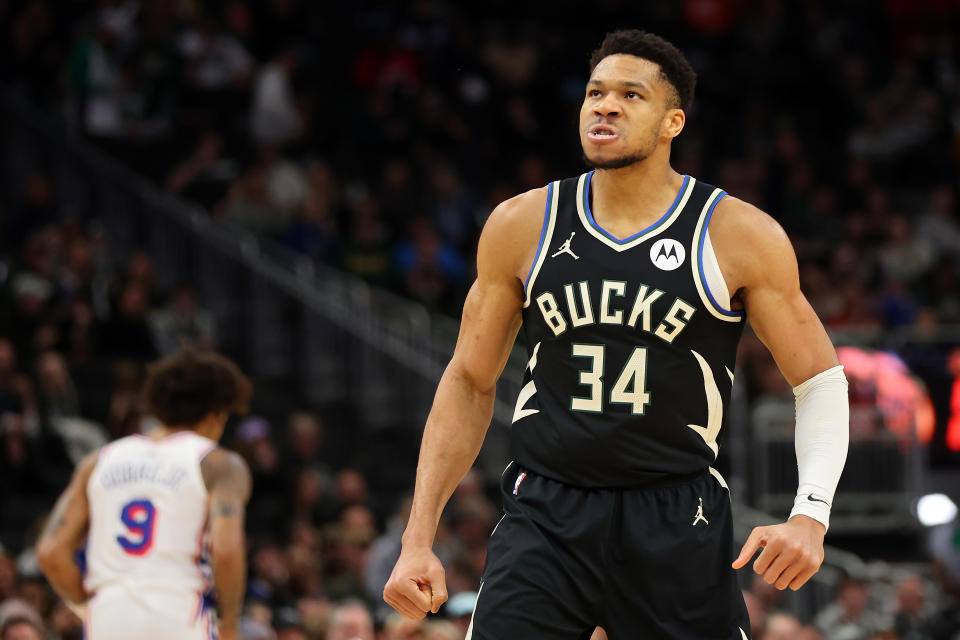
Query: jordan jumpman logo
(699,515)
(565,247)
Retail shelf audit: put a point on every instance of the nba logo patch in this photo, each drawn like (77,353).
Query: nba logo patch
(516,485)
(667,254)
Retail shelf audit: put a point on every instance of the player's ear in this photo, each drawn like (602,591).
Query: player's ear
(673,121)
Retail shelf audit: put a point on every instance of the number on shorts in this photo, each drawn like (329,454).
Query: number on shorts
(139,517)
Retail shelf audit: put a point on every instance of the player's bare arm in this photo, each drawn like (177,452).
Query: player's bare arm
(463,405)
(759,264)
(227,479)
(64,534)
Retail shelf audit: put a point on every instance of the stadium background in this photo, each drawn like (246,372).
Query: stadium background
(300,185)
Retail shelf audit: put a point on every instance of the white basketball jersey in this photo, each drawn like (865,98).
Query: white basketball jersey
(148,524)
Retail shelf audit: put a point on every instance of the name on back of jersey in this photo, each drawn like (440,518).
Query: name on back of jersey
(124,473)
(574,308)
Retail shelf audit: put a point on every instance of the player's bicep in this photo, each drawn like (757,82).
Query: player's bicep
(70,519)
(228,482)
(488,328)
(782,317)
(492,311)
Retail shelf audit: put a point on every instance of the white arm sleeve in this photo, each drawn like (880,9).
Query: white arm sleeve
(821,441)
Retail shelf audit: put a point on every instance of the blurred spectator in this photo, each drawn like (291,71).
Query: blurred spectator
(206,173)
(126,334)
(182,324)
(8,578)
(287,625)
(351,487)
(781,626)
(248,206)
(383,554)
(904,256)
(454,209)
(399,628)
(21,628)
(64,623)
(16,390)
(56,392)
(265,511)
(125,404)
(365,250)
(60,411)
(915,618)
(19,611)
(314,230)
(350,621)
(938,227)
(95,78)
(216,61)
(267,197)
(429,268)
(273,116)
(850,617)
(756,613)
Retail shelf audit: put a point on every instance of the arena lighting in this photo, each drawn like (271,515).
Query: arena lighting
(934,509)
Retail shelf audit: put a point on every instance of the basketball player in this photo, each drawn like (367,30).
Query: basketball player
(633,284)
(161,516)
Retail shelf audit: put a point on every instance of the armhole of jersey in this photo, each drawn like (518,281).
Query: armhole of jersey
(706,268)
(546,235)
(206,450)
(101,456)
(713,281)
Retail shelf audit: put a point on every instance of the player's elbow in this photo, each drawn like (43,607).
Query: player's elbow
(49,554)
(470,380)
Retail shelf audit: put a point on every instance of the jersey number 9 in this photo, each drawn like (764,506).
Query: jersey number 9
(139,517)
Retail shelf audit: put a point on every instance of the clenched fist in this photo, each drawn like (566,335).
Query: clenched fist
(417,585)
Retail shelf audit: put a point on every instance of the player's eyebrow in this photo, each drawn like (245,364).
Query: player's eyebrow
(623,83)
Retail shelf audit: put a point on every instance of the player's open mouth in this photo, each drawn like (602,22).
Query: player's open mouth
(602,133)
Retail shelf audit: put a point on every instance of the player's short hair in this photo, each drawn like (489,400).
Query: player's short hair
(181,390)
(674,68)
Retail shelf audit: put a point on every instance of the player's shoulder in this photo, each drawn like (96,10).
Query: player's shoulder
(524,210)
(88,463)
(512,231)
(737,223)
(750,244)
(223,465)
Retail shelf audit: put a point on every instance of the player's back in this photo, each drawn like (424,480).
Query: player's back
(148,516)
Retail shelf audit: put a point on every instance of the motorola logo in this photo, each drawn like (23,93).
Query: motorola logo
(667,254)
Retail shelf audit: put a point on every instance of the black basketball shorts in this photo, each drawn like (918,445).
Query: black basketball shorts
(650,563)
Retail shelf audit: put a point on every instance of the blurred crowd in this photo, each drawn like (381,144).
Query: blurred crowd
(902,605)
(381,147)
(377,139)
(75,337)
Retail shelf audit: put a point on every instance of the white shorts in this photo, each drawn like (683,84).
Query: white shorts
(115,614)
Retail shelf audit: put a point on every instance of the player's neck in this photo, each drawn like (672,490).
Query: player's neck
(633,196)
(163,431)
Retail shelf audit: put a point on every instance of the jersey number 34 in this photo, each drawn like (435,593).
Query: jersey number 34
(630,387)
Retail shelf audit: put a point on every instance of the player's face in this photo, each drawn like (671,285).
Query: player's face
(625,112)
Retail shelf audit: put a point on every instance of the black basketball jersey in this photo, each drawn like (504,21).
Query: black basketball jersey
(631,342)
